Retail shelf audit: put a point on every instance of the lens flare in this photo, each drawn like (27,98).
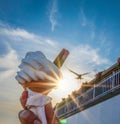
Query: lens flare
(62,85)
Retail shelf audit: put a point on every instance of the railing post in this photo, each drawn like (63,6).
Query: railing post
(93,91)
(113,79)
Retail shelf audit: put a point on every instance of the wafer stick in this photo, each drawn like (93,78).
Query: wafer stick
(60,59)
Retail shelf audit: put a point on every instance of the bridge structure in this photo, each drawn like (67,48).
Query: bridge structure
(103,88)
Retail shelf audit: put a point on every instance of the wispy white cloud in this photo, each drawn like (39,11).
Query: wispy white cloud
(2,24)
(24,40)
(53,14)
(84,58)
(85,22)
(96,34)
(9,63)
(9,89)
(9,60)
(105,43)
(89,54)
(17,34)
(92,28)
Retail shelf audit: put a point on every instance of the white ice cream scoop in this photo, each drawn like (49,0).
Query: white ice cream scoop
(36,66)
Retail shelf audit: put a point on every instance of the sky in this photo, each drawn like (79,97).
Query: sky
(89,29)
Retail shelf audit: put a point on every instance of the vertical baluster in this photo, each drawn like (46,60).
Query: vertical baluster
(113,79)
(93,91)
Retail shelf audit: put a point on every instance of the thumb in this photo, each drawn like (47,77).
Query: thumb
(28,117)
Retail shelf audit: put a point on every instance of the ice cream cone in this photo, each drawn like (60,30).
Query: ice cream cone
(40,86)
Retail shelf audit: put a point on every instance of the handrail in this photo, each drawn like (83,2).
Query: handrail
(102,88)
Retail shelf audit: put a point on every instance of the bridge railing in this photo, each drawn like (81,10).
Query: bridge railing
(102,88)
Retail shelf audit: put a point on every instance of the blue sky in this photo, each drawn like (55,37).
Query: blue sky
(89,29)
(94,22)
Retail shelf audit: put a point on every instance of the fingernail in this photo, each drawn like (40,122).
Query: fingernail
(25,95)
(36,122)
(25,114)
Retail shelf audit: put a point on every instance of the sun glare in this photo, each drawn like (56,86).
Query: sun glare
(65,87)
(62,84)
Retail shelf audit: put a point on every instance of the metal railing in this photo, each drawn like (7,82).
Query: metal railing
(102,88)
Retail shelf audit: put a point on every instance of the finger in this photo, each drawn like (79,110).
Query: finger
(50,115)
(23,98)
(28,117)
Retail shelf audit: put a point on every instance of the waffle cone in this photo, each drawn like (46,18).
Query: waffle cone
(40,87)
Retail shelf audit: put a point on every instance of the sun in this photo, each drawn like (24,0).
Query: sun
(65,86)
(62,84)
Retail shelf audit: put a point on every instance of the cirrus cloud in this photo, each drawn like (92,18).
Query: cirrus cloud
(53,15)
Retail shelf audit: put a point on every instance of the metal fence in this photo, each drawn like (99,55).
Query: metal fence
(102,88)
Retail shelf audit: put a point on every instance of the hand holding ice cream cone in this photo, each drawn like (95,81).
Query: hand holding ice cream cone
(39,76)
